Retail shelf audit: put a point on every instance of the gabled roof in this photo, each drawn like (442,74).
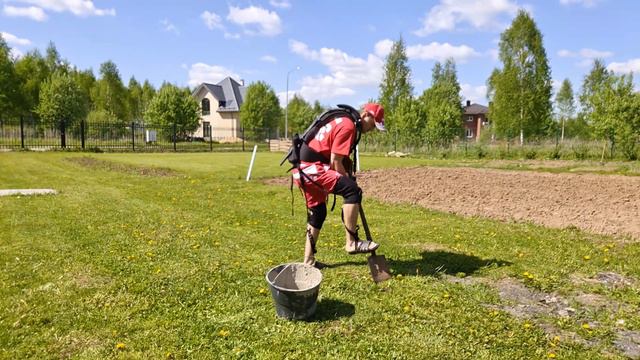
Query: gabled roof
(474,109)
(227,90)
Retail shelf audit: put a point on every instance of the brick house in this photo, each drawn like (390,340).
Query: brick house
(474,118)
(220,109)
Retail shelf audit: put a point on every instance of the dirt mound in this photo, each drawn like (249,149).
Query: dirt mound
(604,204)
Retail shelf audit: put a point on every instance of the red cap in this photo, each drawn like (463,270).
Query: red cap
(377,111)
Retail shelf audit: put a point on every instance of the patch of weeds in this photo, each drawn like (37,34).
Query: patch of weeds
(94,163)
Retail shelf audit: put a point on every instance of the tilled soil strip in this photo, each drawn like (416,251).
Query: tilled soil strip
(603,204)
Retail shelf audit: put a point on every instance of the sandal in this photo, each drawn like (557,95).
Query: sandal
(363,247)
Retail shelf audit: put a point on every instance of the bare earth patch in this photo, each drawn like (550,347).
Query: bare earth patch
(603,204)
(93,163)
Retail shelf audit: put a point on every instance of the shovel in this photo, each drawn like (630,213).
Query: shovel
(377,263)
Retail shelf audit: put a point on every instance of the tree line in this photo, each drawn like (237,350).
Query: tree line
(48,90)
(520,95)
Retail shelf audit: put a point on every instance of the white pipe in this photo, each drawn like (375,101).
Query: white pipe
(253,157)
(357,158)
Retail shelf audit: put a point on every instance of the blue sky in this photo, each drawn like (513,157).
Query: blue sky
(339,45)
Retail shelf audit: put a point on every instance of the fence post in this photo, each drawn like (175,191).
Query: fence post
(21,131)
(210,138)
(133,136)
(63,136)
(269,138)
(174,136)
(82,133)
(242,129)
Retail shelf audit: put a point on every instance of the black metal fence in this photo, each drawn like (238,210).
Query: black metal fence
(29,134)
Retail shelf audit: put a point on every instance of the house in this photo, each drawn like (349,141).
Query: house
(474,118)
(220,106)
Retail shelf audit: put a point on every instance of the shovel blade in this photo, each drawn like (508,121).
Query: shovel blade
(379,268)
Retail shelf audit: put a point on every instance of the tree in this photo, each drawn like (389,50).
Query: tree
(520,92)
(52,58)
(396,82)
(592,83)
(61,100)
(261,108)
(148,93)
(317,109)
(565,104)
(136,104)
(300,114)
(10,95)
(109,93)
(616,114)
(33,71)
(174,107)
(86,81)
(442,105)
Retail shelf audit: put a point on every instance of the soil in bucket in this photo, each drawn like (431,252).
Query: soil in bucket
(294,289)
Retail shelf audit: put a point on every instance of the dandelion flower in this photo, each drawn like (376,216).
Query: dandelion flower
(263,291)
(120,346)
(223,333)
(552,355)
(586,326)
(587,257)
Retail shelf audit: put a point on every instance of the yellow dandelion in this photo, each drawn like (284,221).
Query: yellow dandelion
(526,325)
(525,274)
(223,333)
(520,255)
(605,249)
(120,346)
(556,339)
(587,257)
(552,355)
(606,260)
(530,277)
(446,295)
(406,308)
(263,291)
(586,326)
(494,313)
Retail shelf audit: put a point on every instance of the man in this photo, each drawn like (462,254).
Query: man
(334,141)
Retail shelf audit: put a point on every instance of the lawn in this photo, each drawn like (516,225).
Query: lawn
(164,256)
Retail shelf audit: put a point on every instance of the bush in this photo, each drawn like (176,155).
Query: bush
(481,152)
(529,153)
(580,151)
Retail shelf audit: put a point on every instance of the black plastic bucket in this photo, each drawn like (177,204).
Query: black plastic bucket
(294,289)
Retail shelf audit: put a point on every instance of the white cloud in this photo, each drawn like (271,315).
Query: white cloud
(480,14)
(212,20)
(77,7)
(441,52)
(14,40)
(267,22)
(345,72)
(632,65)
(15,53)
(32,12)
(283,4)
(475,94)
(269,58)
(433,51)
(585,53)
(585,3)
(169,27)
(383,47)
(201,72)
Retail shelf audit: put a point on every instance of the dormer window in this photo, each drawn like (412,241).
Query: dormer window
(470,118)
(206,107)
(222,103)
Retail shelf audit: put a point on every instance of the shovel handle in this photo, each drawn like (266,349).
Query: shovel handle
(364,224)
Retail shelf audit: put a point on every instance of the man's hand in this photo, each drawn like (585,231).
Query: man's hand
(337,164)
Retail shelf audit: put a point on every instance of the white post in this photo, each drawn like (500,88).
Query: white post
(357,158)
(253,157)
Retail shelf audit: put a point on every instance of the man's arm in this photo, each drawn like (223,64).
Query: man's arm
(337,163)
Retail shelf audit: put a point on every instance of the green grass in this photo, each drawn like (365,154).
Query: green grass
(171,264)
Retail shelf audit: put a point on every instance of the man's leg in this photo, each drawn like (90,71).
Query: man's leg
(352,194)
(315,218)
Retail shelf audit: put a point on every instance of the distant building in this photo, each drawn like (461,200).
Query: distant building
(474,118)
(220,106)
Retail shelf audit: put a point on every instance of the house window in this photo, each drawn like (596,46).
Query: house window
(206,129)
(222,103)
(206,107)
(468,133)
(470,118)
